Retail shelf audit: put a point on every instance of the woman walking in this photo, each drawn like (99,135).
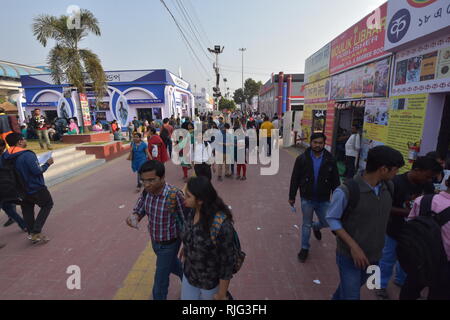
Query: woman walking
(208,250)
(156,147)
(138,156)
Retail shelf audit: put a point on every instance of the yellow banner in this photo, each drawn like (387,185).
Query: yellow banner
(406,121)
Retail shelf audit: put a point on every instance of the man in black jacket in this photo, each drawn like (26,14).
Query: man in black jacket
(316,174)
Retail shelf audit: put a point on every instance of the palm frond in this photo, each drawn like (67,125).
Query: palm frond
(57,60)
(44,28)
(94,69)
(90,22)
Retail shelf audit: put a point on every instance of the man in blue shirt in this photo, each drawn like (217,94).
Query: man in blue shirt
(316,175)
(360,225)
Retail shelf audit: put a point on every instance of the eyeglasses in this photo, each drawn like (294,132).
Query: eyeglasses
(149,181)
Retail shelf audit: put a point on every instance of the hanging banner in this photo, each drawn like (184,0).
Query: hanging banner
(397,122)
(361,43)
(85,109)
(318,92)
(317,66)
(371,80)
(406,120)
(423,69)
(408,20)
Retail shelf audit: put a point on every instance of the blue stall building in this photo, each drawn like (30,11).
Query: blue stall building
(145,94)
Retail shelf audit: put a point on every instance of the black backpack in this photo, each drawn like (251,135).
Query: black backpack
(12,186)
(420,249)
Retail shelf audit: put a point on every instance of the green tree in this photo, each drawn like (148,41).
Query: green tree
(238,96)
(251,89)
(227,104)
(68,62)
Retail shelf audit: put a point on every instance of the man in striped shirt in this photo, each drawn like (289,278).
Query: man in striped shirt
(163,204)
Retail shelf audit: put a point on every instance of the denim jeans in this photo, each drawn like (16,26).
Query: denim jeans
(167,262)
(10,210)
(189,292)
(308,209)
(352,279)
(387,263)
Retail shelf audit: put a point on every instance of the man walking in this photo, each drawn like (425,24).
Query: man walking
(39,124)
(359,215)
(163,204)
(407,187)
(316,174)
(266,129)
(352,148)
(27,165)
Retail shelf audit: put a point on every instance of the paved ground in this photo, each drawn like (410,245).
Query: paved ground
(87,229)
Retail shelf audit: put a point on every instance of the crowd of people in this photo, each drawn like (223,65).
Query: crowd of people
(379,217)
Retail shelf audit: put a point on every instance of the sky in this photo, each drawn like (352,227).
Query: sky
(279,35)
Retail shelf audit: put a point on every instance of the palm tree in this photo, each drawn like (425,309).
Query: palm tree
(69,63)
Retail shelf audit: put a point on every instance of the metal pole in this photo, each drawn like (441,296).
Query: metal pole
(242,50)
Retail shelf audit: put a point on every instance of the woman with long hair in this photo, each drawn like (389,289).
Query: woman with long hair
(207,236)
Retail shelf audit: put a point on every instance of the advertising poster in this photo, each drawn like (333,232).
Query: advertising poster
(318,92)
(424,68)
(371,80)
(312,120)
(429,63)
(413,71)
(361,43)
(338,83)
(444,64)
(406,120)
(100,116)
(85,109)
(400,72)
(382,78)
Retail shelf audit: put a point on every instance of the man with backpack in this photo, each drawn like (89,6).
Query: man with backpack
(29,184)
(358,215)
(164,206)
(8,206)
(316,174)
(408,187)
(424,247)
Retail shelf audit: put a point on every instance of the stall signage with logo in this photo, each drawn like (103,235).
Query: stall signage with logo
(408,20)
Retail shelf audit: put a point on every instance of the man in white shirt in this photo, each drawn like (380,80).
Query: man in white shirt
(202,155)
(352,148)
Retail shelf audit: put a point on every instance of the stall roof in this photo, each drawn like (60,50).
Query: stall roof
(14,70)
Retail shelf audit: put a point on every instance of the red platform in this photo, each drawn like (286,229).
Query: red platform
(107,151)
(83,138)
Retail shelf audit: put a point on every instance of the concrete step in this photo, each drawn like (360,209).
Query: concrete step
(78,170)
(62,167)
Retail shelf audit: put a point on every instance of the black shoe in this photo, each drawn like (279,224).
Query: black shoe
(303,255)
(9,222)
(317,234)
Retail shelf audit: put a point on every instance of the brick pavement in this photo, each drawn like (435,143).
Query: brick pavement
(87,229)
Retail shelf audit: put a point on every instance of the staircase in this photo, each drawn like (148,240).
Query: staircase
(69,163)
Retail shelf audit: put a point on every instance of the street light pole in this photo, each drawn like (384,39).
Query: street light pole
(242,50)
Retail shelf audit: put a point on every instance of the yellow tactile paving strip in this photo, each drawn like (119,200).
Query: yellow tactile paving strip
(139,282)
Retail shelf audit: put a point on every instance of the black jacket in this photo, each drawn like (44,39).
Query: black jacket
(303,177)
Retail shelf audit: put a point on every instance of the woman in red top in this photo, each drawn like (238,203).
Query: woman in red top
(155,140)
